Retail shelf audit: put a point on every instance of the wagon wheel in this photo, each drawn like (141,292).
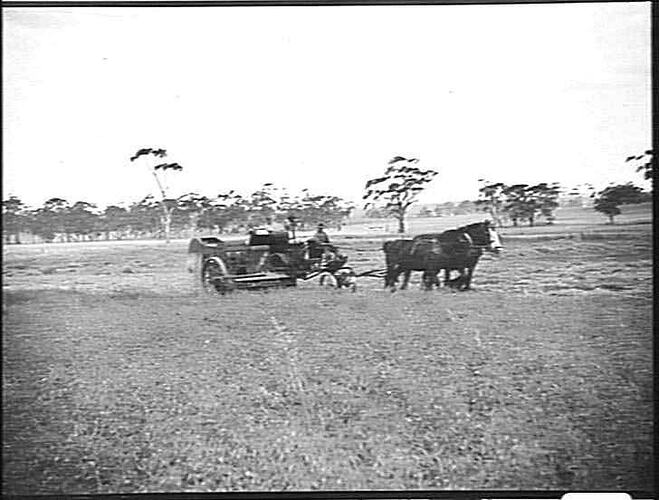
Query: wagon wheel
(339,280)
(276,261)
(210,272)
(327,280)
(350,278)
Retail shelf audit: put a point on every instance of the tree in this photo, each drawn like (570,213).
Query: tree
(491,199)
(519,203)
(292,210)
(190,208)
(333,209)
(647,166)
(143,216)
(576,196)
(50,219)
(545,197)
(526,202)
(224,210)
(313,209)
(54,214)
(263,204)
(608,200)
(41,224)
(81,219)
(14,218)
(167,204)
(398,188)
(114,219)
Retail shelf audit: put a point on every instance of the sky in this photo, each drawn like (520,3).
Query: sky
(322,97)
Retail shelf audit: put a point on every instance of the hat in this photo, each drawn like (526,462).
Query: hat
(320,225)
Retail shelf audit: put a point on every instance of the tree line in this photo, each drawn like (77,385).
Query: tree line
(158,217)
(227,212)
(519,202)
(396,190)
(609,200)
(389,195)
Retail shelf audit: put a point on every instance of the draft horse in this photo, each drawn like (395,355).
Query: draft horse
(456,249)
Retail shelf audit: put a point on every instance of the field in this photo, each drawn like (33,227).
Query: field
(119,376)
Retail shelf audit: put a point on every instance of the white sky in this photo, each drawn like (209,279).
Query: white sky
(322,97)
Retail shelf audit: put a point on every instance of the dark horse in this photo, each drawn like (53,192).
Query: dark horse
(455,249)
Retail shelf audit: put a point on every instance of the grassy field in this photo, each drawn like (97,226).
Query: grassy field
(120,377)
(568,220)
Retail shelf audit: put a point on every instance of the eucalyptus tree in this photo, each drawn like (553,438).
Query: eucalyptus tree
(527,202)
(647,164)
(325,208)
(114,219)
(491,199)
(264,204)
(190,210)
(51,219)
(144,216)
(82,219)
(159,170)
(227,210)
(15,218)
(608,200)
(398,188)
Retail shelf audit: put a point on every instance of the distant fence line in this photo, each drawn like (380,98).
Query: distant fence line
(31,238)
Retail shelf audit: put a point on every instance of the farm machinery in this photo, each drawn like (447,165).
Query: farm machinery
(267,259)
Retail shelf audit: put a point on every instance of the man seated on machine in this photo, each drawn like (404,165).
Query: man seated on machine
(318,243)
(320,248)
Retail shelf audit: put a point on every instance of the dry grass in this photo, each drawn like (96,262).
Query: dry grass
(568,220)
(131,382)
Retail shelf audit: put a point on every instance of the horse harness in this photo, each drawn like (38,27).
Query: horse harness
(465,236)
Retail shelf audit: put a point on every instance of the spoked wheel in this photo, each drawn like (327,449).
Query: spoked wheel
(347,278)
(276,262)
(342,278)
(327,280)
(214,277)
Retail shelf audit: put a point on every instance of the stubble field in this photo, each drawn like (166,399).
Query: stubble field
(119,376)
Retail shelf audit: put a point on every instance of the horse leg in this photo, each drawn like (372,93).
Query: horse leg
(406,279)
(429,279)
(388,277)
(456,282)
(447,277)
(438,282)
(467,278)
(452,283)
(392,278)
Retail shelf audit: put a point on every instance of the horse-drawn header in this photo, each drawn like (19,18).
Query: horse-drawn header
(276,258)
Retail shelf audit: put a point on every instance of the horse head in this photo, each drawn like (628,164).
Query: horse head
(484,235)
